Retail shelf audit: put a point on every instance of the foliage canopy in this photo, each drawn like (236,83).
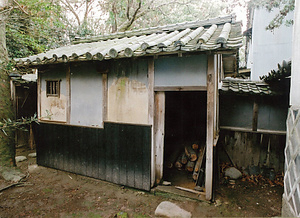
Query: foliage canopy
(34,26)
(284,7)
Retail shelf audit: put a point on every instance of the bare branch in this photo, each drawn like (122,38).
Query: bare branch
(69,6)
(21,8)
(125,26)
(128,7)
(114,11)
(88,9)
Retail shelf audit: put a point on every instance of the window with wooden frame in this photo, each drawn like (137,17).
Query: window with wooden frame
(53,88)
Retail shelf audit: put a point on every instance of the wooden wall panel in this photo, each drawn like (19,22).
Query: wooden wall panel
(119,153)
(256,113)
(253,149)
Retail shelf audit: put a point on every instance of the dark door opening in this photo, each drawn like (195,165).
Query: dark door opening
(185,124)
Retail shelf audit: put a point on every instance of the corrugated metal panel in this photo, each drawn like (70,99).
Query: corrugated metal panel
(120,153)
(215,34)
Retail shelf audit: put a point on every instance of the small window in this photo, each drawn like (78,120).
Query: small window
(53,88)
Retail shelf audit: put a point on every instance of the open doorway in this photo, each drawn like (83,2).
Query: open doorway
(185,125)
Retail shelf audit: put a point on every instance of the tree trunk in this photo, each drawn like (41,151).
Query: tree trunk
(7,149)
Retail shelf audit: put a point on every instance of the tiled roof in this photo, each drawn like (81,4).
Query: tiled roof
(214,34)
(23,79)
(246,87)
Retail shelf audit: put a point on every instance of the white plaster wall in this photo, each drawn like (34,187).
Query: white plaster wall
(180,71)
(53,108)
(128,101)
(295,81)
(268,48)
(86,96)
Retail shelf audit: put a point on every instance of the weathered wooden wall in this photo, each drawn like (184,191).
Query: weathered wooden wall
(128,91)
(25,100)
(118,153)
(237,111)
(253,149)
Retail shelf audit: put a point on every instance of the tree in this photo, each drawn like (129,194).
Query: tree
(32,26)
(284,7)
(132,14)
(83,17)
(24,30)
(7,150)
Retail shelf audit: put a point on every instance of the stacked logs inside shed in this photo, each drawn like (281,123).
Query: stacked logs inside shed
(185,124)
(190,159)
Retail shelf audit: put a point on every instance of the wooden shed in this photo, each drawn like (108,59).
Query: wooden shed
(253,123)
(109,106)
(24,98)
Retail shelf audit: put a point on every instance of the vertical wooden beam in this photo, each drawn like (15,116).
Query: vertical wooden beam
(151,114)
(159,132)
(68,86)
(104,97)
(217,104)
(216,95)
(255,115)
(210,126)
(39,86)
(13,96)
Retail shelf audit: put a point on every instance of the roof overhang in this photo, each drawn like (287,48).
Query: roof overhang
(214,35)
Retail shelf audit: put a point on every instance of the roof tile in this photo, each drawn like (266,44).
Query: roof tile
(205,35)
(246,86)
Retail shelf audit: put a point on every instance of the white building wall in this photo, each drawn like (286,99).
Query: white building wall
(268,47)
(291,195)
(295,81)
(53,108)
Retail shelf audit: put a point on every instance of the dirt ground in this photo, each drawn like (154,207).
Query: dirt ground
(52,193)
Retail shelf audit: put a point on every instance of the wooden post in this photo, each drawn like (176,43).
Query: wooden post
(255,116)
(210,125)
(150,116)
(68,86)
(31,137)
(39,86)
(104,97)
(159,132)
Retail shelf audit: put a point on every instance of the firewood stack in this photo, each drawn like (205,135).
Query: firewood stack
(191,159)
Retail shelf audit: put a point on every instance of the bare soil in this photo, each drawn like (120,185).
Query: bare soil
(52,193)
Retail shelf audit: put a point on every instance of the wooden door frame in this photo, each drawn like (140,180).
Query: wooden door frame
(159,134)
(158,116)
(212,131)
